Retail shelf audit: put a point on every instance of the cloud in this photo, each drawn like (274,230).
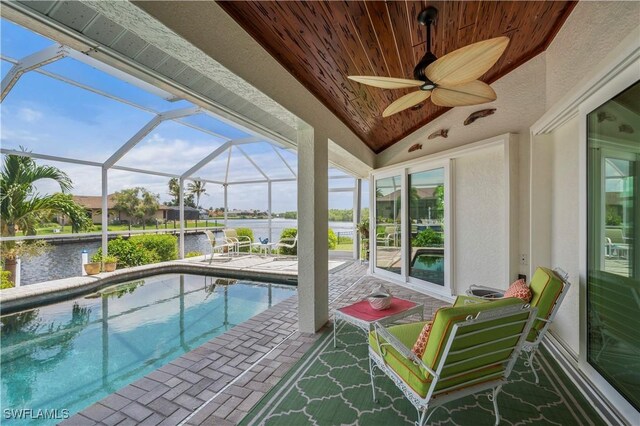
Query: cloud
(168,155)
(29,115)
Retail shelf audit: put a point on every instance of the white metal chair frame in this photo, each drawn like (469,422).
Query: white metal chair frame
(212,240)
(616,243)
(436,398)
(237,241)
(283,243)
(389,234)
(531,348)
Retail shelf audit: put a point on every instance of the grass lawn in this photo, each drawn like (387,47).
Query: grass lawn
(344,246)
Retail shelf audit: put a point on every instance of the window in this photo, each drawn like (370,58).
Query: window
(426,226)
(613,249)
(388,223)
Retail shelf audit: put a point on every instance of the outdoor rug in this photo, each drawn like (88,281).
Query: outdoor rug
(331,386)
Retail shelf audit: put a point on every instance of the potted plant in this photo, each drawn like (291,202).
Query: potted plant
(363,229)
(109,263)
(92,268)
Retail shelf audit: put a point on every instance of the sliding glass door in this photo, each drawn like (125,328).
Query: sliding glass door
(411,226)
(388,223)
(613,242)
(426,226)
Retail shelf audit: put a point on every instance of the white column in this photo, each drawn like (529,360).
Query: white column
(226,206)
(105,211)
(313,250)
(357,191)
(181,240)
(18,278)
(269,210)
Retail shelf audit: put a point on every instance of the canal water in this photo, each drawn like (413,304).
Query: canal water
(65,260)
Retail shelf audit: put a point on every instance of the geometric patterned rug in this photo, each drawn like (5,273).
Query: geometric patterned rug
(331,386)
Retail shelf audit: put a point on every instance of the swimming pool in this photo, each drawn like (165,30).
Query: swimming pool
(68,355)
(428,265)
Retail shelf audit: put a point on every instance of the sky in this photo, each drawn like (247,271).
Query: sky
(47,116)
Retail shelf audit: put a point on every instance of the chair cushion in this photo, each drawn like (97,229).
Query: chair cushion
(519,289)
(443,322)
(545,287)
(421,344)
(418,378)
(410,373)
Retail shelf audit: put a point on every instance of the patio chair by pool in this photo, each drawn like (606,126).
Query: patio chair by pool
(232,238)
(471,348)
(548,289)
(617,244)
(387,236)
(285,243)
(222,248)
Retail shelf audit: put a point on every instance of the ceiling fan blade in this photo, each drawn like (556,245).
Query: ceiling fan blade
(467,63)
(386,82)
(472,93)
(407,101)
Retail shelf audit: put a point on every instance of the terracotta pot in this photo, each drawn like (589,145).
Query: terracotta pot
(110,267)
(92,268)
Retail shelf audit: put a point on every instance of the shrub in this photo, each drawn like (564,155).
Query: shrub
(141,250)
(4,279)
(333,240)
(428,238)
(128,253)
(193,254)
(289,233)
(165,246)
(245,232)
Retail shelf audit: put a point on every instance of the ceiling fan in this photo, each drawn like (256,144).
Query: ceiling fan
(451,80)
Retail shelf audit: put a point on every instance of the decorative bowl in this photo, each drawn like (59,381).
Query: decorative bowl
(379,301)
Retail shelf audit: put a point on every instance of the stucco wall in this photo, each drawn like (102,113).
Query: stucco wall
(565,226)
(592,30)
(479,242)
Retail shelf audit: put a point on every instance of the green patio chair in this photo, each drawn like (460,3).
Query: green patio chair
(472,348)
(548,289)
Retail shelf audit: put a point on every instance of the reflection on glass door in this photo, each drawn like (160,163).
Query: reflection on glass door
(388,222)
(426,219)
(613,243)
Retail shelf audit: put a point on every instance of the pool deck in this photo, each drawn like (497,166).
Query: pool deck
(220,381)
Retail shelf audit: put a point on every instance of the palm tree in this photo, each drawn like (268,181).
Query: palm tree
(21,207)
(174,191)
(197,188)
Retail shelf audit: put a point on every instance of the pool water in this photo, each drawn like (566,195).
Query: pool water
(428,267)
(429,262)
(71,354)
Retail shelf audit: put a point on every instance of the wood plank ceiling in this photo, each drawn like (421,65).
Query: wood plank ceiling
(322,42)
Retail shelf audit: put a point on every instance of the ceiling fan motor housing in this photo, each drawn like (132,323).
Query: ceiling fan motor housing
(418,71)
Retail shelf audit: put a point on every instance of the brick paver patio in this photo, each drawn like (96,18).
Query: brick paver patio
(219,382)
